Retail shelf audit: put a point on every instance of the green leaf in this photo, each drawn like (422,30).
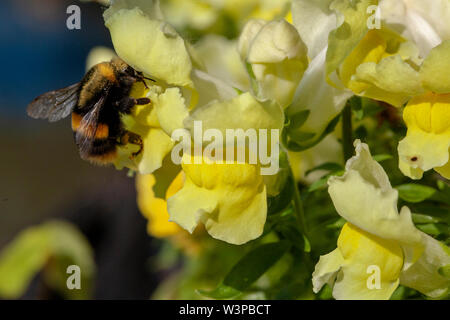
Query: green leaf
(356,105)
(441,185)
(382,157)
(21,261)
(50,247)
(221,292)
(291,291)
(298,119)
(329,166)
(399,293)
(359,114)
(322,182)
(291,233)
(338,224)
(442,213)
(370,107)
(434,229)
(422,218)
(282,200)
(442,196)
(415,193)
(326,293)
(298,135)
(319,184)
(252,266)
(300,145)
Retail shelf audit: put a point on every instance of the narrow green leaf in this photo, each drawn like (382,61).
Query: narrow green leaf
(415,193)
(221,292)
(322,182)
(319,184)
(252,266)
(382,157)
(329,166)
(282,200)
(298,135)
(291,233)
(423,218)
(302,145)
(298,119)
(434,229)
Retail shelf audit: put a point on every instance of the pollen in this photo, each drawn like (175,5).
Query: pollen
(76,119)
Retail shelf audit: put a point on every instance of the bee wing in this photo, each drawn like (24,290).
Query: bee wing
(85,135)
(54,105)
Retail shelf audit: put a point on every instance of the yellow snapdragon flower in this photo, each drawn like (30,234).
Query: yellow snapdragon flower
(378,248)
(371,60)
(229,198)
(381,64)
(143,39)
(427,116)
(154,208)
(374,70)
(185,92)
(277,56)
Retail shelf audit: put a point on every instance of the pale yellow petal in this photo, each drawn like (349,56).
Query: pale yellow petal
(433,76)
(372,266)
(326,269)
(98,55)
(229,199)
(155,209)
(242,112)
(423,275)
(220,58)
(149,45)
(171,109)
(314,20)
(373,207)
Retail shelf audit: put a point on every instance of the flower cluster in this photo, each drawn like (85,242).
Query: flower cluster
(294,83)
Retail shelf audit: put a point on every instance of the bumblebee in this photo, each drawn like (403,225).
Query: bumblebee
(96,104)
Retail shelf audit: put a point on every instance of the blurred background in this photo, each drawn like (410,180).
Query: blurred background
(42,176)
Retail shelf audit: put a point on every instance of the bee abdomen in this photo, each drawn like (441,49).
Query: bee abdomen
(103,151)
(102,147)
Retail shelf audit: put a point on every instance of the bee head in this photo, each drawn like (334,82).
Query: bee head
(121,66)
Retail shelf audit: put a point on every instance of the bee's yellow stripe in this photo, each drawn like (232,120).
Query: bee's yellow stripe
(101,132)
(76,119)
(103,159)
(107,71)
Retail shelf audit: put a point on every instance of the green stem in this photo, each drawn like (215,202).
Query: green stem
(347,132)
(298,205)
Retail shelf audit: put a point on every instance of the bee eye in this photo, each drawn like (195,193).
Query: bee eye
(130,70)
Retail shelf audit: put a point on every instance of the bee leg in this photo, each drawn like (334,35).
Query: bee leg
(127,103)
(143,81)
(142,101)
(141,78)
(133,138)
